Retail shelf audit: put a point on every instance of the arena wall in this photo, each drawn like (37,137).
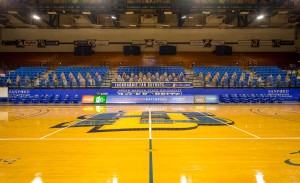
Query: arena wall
(127,35)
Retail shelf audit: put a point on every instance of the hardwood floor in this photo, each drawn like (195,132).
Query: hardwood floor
(116,144)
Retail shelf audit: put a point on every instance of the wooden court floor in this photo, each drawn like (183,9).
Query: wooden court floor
(155,144)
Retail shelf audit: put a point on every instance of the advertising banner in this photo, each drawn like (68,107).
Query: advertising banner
(196,42)
(287,94)
(206,99)
(152,85)
(115,99)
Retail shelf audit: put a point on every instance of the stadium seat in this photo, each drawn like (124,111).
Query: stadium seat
(76,99)
(67,99)
(57,99)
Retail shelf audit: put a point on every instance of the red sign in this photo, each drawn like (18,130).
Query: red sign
(88,99)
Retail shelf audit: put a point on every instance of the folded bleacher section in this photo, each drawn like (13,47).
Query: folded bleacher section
(150,74)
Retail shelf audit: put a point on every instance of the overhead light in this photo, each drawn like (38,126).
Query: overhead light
(86,13)
(283,12)
(206,12)
(129,12)
(183,17)
(65,25)
(114,17)
(168,12)
(199,25)
(166,25)
(97,25)
(191,17)
(36,17)
(244,12)
(52,12)
(12,12)
(132,25)
(259,17)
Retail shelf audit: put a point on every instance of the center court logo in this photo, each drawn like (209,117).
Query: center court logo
(136,121)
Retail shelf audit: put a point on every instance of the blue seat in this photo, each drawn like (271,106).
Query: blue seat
(26,99)
(57,99)
(15,100)
(35,99)
(76,99)
(67,99)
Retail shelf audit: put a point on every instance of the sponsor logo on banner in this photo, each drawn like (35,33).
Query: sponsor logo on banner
(88,99)
(51,43)
(20,43)
(255,43)
(196,42)
(149,42)
(161,42)
(101,99)
(207,43)
(81,43)
(138,42)
(102,43)
(287,42)
(30,42)
(92,43)
(265,43)
(276,42)
(217,43)
(9,43)
(206,99)
(41,43)
(244,43)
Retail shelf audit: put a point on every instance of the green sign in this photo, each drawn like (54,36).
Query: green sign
(100,99)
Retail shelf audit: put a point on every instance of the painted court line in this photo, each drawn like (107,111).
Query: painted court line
(124,139)
(150,148)
(228,124)
(68,126)
(283,110)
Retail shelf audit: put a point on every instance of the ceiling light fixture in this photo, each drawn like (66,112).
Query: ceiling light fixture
(168,12)
(244,12)
(36,17)
(12,12)
(259,17)
(206,12)
(86,13)
(129,12)
(52,12)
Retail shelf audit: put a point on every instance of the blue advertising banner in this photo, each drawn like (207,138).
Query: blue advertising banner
(152,85)
(287,94)
(150,99)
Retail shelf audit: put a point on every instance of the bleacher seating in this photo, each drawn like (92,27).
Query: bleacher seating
(150,74)
(45,99)
(230,70)
(250,98)
(74,72)
(266,71)
(31,72)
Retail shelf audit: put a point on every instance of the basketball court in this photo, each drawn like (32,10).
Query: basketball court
(150,143)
